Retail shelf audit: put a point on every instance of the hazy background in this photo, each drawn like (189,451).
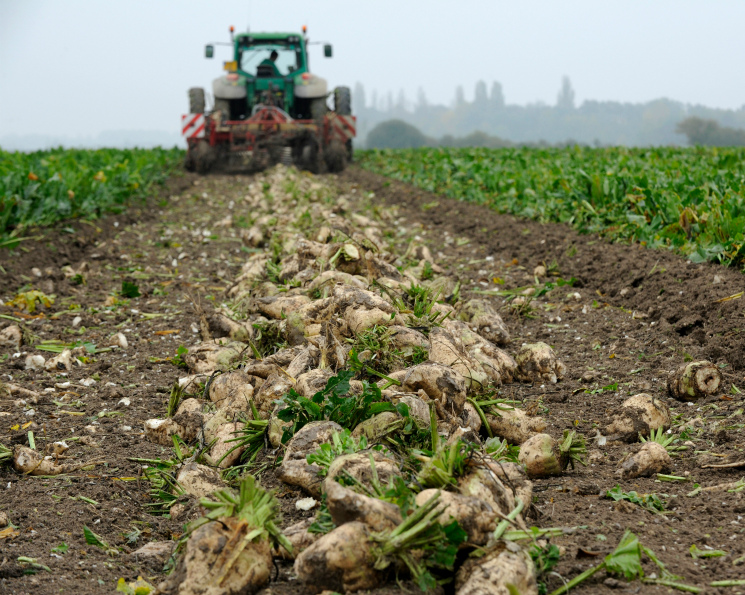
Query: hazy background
(112,73)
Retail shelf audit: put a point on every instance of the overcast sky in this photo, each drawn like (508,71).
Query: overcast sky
(79,67)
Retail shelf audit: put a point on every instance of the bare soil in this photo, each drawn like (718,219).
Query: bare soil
(638,314)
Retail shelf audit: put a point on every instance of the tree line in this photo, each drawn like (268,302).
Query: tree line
(490,121)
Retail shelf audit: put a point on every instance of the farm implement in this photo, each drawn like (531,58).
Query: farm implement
(268,108)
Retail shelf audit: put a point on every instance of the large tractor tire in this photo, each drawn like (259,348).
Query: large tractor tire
(343,101)
(318,108)
(350,150)
(205,157)
(335,156)
(343,107)
(223,105)
(196,100)
(307,154)
(189,163)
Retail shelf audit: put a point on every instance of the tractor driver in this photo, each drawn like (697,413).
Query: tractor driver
(271,62)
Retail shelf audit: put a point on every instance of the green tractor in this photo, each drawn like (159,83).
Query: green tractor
(269,108)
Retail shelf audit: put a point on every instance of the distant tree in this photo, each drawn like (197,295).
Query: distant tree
(460,97)
(698,130)
(359,96)
(480,98)
(709,133)
(475,139)
(447,141)
(396,134)
(496,96)
(401,100)
(565,100)
(421,99)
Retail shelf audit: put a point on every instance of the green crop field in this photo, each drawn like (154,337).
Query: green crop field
(43,187)
(690,200)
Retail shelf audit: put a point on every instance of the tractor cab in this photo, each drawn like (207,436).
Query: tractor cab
(271,58)
(269,69)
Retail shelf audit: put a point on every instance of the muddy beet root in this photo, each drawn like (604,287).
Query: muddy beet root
(651,458)
(340,560)
(209,565)
(694,380)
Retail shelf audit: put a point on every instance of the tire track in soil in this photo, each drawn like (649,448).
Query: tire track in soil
(628,277)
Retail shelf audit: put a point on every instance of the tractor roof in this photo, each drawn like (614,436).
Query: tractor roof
(269,35)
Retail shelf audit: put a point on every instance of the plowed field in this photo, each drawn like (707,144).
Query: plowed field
(621,319)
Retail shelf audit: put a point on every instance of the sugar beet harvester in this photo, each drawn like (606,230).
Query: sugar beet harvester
(268,108)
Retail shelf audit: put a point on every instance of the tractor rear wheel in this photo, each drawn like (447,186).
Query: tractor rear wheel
(343,101)
(307,154)
(196,100)
(318,108)
(204,157)
(189,163)
(335,156)
(223,105)
(350,150)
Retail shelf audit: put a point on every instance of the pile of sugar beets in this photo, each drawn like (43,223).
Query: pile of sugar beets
(375,391)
